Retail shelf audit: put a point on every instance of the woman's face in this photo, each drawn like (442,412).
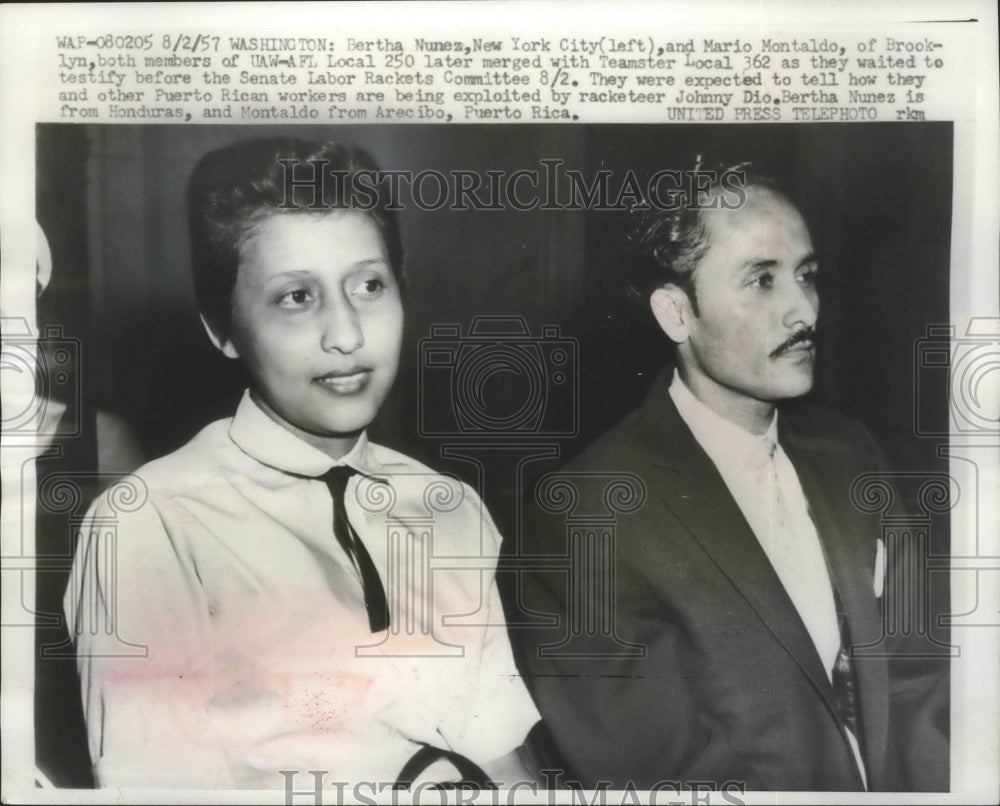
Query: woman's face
(317,319)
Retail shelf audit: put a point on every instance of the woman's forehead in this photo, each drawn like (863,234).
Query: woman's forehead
(304,241)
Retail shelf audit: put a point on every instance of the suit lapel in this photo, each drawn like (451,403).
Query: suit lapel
(826,484)
(688,483)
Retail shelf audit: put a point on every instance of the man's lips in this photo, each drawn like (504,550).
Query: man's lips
(796,346)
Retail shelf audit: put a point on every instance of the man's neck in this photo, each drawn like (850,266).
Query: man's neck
(748,413)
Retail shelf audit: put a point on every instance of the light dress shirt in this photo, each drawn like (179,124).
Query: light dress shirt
(765,486)
(221,630)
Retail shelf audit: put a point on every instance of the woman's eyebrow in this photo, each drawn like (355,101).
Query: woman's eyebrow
(308,274)
(291,274)
(372,261)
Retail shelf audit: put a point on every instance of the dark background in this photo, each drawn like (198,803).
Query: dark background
(877,198)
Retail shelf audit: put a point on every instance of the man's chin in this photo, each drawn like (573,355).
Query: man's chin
(789,388)
(792,391)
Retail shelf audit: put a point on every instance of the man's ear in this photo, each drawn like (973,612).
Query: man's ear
(226,347)
(672,310)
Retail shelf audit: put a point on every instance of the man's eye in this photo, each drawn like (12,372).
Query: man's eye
(763,282)
(808,277)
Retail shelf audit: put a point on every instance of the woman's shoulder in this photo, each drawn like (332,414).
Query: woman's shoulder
(195,465)
(398,465)
(411,478)
(393,461)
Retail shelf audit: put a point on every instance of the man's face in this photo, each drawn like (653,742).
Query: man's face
(757,302)
(317,320)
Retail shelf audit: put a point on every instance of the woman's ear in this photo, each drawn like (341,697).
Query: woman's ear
(672,310)
(224,346)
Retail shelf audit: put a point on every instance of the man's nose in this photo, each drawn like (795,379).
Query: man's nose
(801,305)
(341,327)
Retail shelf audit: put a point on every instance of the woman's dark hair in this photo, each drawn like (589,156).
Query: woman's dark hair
(668,243)
(232,189)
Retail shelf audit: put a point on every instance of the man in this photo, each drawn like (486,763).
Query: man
(740,575)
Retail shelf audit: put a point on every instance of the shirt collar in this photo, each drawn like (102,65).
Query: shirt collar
(726,443)
(259,436)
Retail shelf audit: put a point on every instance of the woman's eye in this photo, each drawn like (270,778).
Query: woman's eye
(370,287)
(295,298)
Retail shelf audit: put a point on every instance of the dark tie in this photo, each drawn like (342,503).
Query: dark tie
(375,601)
(845,688)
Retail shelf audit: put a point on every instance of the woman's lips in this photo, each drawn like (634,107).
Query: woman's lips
(345,382)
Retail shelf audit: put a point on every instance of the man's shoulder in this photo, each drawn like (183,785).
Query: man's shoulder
(619,447)
(632,442)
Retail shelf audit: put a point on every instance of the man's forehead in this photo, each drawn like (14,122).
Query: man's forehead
(766,219)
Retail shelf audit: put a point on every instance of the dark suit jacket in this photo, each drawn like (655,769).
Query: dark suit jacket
(710,674)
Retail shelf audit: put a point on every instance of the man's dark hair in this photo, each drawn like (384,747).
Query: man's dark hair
(668,243)
(233,189)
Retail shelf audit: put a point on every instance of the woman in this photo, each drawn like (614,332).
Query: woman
(266,602)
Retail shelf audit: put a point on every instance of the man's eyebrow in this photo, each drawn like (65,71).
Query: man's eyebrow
(769,263)
(756,265)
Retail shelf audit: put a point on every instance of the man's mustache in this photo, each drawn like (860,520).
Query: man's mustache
(806,334)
